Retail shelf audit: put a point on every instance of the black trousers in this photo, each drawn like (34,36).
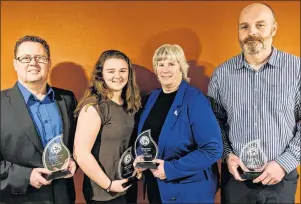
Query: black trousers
(152,188)
(118,200)
(132,194)
(233,191)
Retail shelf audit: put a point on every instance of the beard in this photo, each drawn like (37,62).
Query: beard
(253,44)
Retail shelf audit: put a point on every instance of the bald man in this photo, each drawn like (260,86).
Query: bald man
(256,98)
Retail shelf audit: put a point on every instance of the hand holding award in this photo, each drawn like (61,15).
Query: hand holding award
(56,158)
(146,151)
(254,159)
(126,168)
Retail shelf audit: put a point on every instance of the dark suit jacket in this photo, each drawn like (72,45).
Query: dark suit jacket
(21,150)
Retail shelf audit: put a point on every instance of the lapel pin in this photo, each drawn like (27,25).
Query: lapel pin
(176,112)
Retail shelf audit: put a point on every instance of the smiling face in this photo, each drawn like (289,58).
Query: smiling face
(257,27)
(36,70)
(170,66)
(115,74)
(169,73)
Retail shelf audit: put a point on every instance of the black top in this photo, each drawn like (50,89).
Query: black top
(158,113)
(155,122)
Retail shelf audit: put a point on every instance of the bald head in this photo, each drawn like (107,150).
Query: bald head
(257,11)
(256,28)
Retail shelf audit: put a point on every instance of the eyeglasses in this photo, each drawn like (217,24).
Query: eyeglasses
(37,58)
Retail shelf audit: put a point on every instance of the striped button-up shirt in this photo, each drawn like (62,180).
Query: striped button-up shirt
(263,104)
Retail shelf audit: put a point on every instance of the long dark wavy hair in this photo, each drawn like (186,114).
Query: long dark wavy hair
(98,91)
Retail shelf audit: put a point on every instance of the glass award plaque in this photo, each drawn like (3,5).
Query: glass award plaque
(56,157)
(253,159)
(146,151)
(126,168)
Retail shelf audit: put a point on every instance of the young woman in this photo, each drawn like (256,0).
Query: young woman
(105,124)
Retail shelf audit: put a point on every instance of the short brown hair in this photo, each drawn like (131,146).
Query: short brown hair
(32,38)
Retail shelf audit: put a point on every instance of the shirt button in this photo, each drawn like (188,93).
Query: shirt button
(255,106)
(173,198)
(255,89)
(255,124)
(46,121)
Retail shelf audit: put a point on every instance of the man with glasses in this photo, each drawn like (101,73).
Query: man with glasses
(32,113)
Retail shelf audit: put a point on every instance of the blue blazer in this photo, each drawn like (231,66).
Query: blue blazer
(189,143)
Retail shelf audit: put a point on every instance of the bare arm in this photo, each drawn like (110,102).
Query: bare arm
(88,126)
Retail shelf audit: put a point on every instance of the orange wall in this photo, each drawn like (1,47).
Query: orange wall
(79,31)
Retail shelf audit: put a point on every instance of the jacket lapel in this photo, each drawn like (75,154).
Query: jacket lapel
(61,103)
(172,116)
(19,109)
(148,106)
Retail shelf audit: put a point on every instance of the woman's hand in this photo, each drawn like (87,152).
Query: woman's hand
(159,172)
(138,159)
(117,186)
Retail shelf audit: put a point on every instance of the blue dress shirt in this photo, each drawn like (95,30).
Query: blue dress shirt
(44,113)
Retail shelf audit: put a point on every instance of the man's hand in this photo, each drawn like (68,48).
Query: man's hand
(159,172)
(71,167)
(36,178)
(272,174)
(233,162)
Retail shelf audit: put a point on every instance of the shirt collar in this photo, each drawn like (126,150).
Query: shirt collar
(27,94)
(273,59)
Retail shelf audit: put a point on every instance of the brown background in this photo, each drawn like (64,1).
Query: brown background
(79,31)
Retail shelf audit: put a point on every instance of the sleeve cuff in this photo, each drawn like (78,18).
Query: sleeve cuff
(21,181)
(226,152)
(171,173)
(167,166)
(27,180)
(287,162)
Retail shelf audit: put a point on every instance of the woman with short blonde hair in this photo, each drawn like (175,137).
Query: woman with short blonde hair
(183,125)
(174,53)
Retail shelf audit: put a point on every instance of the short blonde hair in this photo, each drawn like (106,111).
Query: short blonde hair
(173,53)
